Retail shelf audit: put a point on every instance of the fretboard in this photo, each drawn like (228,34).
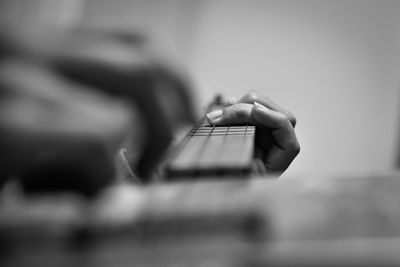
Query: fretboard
(211,150)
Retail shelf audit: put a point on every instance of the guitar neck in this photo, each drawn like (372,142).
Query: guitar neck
(209,151)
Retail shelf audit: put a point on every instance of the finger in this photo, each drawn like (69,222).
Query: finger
(259,168)
(281,129)
(232,115)
(253,97)
(286,145)
(278,160)
(241,113)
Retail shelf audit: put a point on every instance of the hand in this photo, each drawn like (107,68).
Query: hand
(276,141)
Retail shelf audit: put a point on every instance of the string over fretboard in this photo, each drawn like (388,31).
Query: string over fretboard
(212,150)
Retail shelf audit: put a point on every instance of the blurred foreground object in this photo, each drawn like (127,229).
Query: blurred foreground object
(70,99)
(57,135)
(315,221)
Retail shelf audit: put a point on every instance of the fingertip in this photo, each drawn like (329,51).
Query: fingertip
(258,105)
(260,110)
(209,120)
(268,117)
(214,116)
(233,101)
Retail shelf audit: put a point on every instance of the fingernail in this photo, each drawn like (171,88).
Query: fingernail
(258,105)
(212,116)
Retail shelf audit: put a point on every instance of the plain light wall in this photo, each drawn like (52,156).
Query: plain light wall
(335,64)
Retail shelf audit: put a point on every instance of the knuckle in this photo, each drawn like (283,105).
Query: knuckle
(282,120)
(292,118)
(251,97)
(241,111)
(294,147)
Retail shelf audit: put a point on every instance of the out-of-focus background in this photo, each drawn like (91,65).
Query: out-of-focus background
(335,64)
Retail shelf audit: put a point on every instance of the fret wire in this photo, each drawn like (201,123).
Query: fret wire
(218,131)
(200,155)
(216,152)
(212,129)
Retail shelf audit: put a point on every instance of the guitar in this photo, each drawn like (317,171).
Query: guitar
(209,151)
